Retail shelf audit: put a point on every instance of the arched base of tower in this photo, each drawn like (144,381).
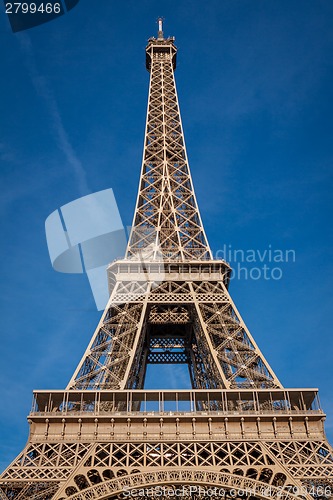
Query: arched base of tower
(191,483)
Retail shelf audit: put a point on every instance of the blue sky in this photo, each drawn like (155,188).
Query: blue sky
(255,83)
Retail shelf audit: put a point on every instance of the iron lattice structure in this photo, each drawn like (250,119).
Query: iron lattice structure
(237,431)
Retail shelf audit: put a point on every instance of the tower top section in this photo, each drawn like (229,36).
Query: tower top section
(160,47)
(160,29)
(167,225)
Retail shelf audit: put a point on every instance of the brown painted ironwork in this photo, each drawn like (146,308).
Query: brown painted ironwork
(237,430)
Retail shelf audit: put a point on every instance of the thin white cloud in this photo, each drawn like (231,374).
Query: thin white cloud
(43,90)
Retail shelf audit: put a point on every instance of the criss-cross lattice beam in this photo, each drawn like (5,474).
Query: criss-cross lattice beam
(107,360)
(232,345)
(142,322)
(166,216)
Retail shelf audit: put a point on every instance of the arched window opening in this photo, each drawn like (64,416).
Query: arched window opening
(70,491)
(252,473)
(266,475)
(238,472)
(122,472)
(94,476)
(108,474)
(81,482)
(279,479)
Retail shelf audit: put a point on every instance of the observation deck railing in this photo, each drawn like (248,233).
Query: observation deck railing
(173,402)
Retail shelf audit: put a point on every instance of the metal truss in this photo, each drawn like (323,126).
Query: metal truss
(291,466)
(85,443)
(166,214)
(238,429)
(176,321)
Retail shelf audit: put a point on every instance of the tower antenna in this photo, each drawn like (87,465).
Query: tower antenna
(160,28)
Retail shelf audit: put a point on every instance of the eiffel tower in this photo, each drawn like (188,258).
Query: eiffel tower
(237,432)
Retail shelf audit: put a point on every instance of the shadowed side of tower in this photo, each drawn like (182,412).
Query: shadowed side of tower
(237,429)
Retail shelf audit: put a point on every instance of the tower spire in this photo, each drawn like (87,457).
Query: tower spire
(160,29)
(167,221)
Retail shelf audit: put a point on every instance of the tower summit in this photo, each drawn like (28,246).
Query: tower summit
(237,429)
(160,29)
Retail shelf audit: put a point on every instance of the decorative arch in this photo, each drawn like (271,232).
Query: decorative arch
(172,477)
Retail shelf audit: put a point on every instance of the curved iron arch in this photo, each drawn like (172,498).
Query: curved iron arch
(164,477)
